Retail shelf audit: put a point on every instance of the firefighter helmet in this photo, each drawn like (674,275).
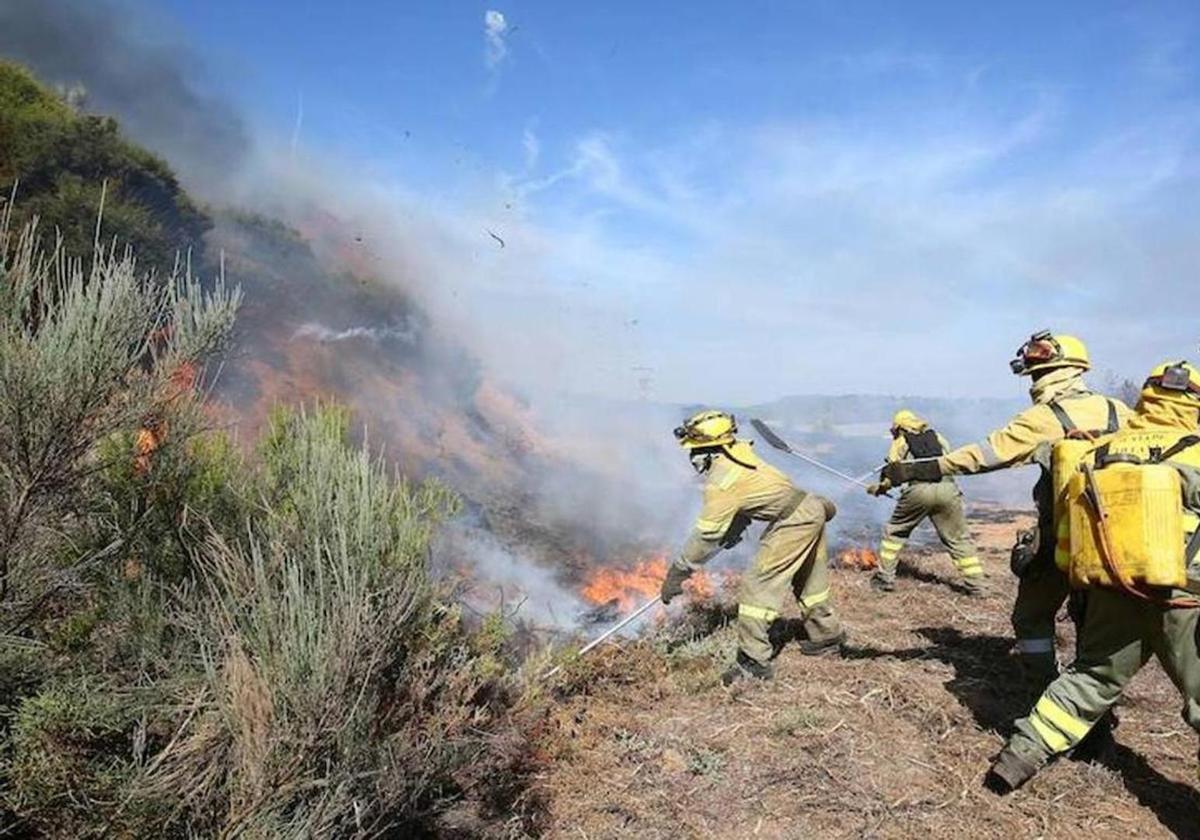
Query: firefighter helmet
(1045,351)
(707,429)
(908,421)
(1173,382)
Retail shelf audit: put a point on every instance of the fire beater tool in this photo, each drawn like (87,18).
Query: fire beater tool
(782,445)
(625,622)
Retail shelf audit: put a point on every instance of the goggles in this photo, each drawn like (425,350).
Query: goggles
(1039,349)
(1175,378)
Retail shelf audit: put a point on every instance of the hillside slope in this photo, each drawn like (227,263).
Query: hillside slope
(57,160)
(891,741)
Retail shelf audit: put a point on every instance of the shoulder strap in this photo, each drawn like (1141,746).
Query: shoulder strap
(1193,544)
(1193,547)
(1065,419)
(1114,422)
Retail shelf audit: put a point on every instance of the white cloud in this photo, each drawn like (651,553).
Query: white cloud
(775,259)
(495,30)
(532,147)
(742,262)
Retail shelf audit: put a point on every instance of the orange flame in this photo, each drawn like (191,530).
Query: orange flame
(628,587)
(858,558)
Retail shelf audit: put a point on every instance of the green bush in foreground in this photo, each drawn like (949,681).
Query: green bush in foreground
(198,642)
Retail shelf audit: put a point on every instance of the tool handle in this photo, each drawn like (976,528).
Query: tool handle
(627,620)
(607,634)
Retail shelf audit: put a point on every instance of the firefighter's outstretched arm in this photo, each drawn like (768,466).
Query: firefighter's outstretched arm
(1014,445)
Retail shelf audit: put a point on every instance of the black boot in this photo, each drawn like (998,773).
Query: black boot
(813,647)
(744,667)
(1009,771)
(883,583)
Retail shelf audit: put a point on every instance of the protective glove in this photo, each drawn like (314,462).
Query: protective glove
(672,584)
(879,488)
(902,472)
(1024,552)
(736,531)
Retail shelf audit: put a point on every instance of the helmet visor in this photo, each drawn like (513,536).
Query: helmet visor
(1175,378)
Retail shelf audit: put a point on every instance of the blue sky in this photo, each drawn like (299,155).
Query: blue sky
(730,202)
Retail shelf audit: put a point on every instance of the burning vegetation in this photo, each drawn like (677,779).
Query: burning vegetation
(617,590)
(857,557)
(622,589)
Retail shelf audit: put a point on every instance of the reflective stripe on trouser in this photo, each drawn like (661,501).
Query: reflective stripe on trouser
(942,503)
(969,566)
(791,560)
(889,554)
(1059,729)
(1040,595)
(1118,636)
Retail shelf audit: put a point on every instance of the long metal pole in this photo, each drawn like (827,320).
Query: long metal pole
(827,468)
(871,472)
(627,620)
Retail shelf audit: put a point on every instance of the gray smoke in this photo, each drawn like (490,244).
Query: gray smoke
(98,53)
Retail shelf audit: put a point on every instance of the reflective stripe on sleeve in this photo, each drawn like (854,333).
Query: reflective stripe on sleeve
(1035,645)
(810,601)
(990,458)
(760,613)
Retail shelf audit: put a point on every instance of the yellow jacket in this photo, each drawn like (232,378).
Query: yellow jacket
(739,488)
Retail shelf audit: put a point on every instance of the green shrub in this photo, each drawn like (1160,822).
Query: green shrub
(62,161)
(74,753)
(340,694)
(201,643)
(84,355)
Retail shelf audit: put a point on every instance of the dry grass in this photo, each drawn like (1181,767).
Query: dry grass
(890,741)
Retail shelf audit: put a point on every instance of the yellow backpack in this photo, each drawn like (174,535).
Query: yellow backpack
(1065,458)
(1125,519)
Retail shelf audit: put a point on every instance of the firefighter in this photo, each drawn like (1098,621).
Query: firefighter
(1063,407)
(1125,623)
(939,501)
(741,488)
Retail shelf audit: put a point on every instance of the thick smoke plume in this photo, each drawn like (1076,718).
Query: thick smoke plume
(99,52)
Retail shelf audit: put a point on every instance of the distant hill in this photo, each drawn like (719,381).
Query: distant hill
(850,432)
(960,419)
